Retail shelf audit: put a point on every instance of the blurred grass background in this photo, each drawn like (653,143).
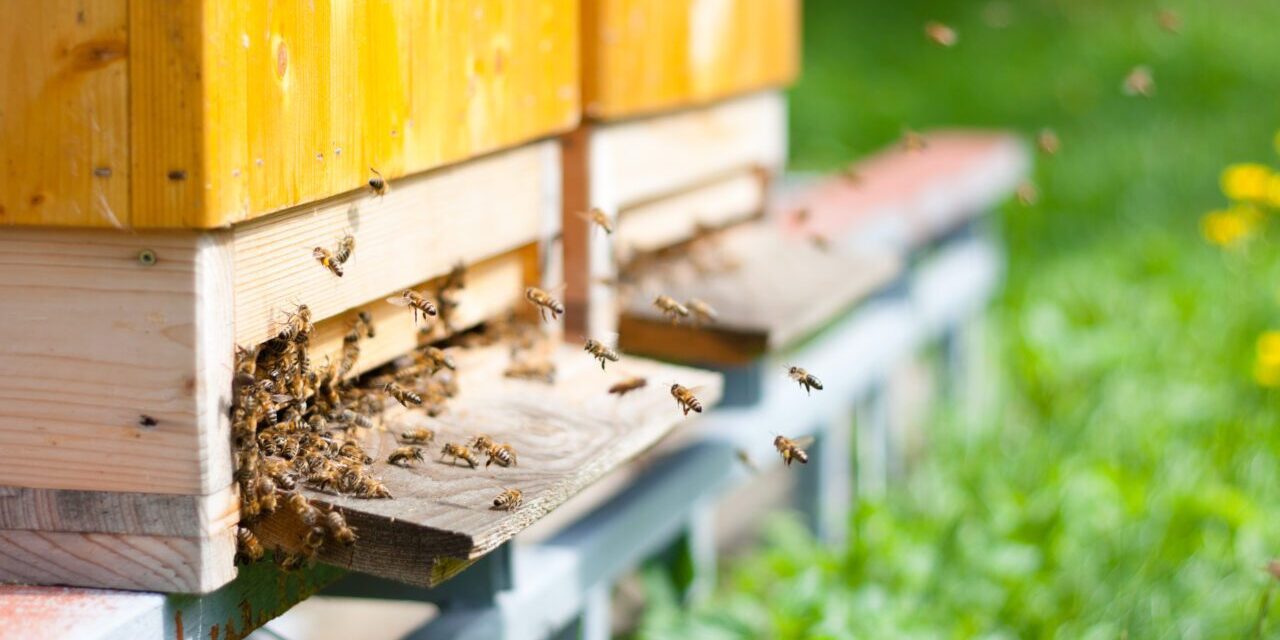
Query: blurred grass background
(1128,484)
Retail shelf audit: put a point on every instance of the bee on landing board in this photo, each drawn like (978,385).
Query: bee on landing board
(685,398)
(458,452)
(417,436)
(503,454)
(600,352)
(544,302)
(482,442)
(379,185)
(599,218)
(806,379)
(405,456)
(416,301)
(301,507)
(508,500)
(702,312)
(670,308)
(338,528)
(248,549)
(628,385)
(792,449)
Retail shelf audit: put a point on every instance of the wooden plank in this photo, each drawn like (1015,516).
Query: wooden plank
(418,231)
(908,198)
(669,221)
(568,435)
(159,563)
(144,514)
(91,340)
(772,294)
(641,56)
(64,107)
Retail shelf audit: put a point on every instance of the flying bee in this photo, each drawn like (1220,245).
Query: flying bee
(544,302)
(628,385)
(378,184)
(405,456)
(339,529)
(481,442)
(364,320)
(417,436)
(248,549)
(702,312)
(600,352)
(820,242)
(851,175)
(940,34)
(599,218)
(503,454)
(1027,194)
(1169,20)
(327,260)
(299,327)
(349,417)
(402,395)
(745,459)
(792,449)
(438,358)
(1140,82)
(346,246)
(685,398)
(458,452)
(416,301)
(1048,142)
(508,500)
(350,353)
(302,508)
(806,379)
(913,142)
(801,216)
(670,308)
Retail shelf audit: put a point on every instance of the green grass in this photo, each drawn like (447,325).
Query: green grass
(1128,485)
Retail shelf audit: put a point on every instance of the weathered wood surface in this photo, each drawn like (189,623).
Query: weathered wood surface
(662,223)
(91,340)
(907,198)
(145,514)
(427,223)
(641,56)
(567,435)
(769,291)
(210,112)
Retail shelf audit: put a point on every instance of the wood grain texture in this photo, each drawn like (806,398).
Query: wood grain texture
(641,56)
(663,223)
(779,292)
(145,514)
(114,561)
(64,112)
(427,223)
(567,436)
(91,340)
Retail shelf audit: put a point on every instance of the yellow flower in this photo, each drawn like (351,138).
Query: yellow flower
(1245,181)
(1273,191)
(1266,369)
(1227,227)
(1277,142)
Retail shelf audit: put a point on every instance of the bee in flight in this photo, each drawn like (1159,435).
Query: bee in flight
(670,308)
(327,260)
(806,379)
(544,302)
(685,398)
(402,395)
(701,311)
(508,500)
(417,436)
(598,217)
(940,34)
(628,385)
(416,301)
(600,352)
(792,449)
(378,184)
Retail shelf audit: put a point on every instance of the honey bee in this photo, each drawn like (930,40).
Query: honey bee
(349,417)
(1027,194)
(685,398)
(416,301)
(792,449)
(503,454)
(438,358)
(482,442)
(402,395)
(308,514)
(702,312)
(820,242)
(801,216)
(913,142)
(346,246)
(940,34)
(350,353)
(745,459)
(508,500)
(312,541)
(364,320)
(541,370)
(598,217)
(353,453)
(628,385)
(806,379)
(405,456)
(1140,82)
(371,488)
(1048,142)
(458,452)
(417,436)
(248,549)
(327,260)
(670,308)
(600,352)
(299,327)
(338,528)
(851,175)
(266,489)
(378,184)
(1169,20)
(544,302)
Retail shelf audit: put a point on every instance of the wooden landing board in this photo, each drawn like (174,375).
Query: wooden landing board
(427,223)
(666,222)
(907,198)
(567,435)
(204,113)
(641,56)
(780,291)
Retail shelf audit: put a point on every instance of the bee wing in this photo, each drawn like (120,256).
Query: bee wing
(281,398)
(399,301)
(804,442)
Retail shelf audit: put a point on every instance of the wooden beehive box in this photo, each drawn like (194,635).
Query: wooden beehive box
(170,170)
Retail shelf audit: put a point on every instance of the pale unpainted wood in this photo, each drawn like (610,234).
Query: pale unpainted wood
(91,340)
(144,514)
(769,291)
(659,224)
(64,112)
(494,287)
(567,436)
(118,561)
(418,231)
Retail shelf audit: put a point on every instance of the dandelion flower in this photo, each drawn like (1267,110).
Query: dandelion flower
(1245,181)
(1266,368)
(1228,227)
